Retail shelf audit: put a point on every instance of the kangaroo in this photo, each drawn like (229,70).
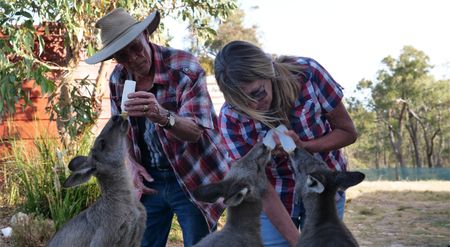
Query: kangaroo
(317,185)
(242,190)
(117,218)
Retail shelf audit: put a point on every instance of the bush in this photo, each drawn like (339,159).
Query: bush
(33,178)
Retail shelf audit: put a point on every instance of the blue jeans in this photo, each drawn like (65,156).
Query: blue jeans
(161,208)
(270,235)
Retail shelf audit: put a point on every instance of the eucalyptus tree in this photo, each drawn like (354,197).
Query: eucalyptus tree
(21,46)
(433,116)
(400,80)
(370,149)
(231,28)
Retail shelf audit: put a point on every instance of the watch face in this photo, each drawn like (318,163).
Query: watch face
(171,120)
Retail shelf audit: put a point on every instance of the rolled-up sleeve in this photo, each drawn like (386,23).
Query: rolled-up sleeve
(328,91)
(196,103)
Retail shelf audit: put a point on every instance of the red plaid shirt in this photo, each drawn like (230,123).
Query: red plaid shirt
(319,93)
(181,88)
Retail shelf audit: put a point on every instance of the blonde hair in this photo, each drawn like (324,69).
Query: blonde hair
(239,63)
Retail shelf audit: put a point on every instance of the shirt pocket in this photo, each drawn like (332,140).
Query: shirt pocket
(304,119)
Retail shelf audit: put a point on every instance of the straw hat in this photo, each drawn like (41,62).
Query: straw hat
(118,29)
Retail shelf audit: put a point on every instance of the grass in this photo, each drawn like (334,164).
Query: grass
(31,178)
(381,213)
(386,213)
(176,235)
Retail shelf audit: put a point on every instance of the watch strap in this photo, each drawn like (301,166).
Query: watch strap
(170,121)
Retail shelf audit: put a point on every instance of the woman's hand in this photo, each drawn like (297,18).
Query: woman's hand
(278,148)
(299,143)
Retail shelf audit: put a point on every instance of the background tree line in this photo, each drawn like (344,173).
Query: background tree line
(405,119)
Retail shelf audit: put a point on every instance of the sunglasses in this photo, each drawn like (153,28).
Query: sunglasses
(258,94)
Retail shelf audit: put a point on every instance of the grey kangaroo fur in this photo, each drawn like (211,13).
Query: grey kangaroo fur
(242,189)
(117,218)
(317,185)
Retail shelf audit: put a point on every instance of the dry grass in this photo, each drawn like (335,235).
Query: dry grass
(373,186)
(399,213)
(396,214)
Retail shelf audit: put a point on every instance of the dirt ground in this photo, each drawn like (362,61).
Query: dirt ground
(391,214)
(5,215)
(399,213)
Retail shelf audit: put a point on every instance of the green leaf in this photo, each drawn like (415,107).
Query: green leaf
(211,31)
(3,87)
(25,14)
(12,78)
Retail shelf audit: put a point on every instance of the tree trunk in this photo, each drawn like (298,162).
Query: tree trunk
(438,152)
(65,109)
(101,78)
(429,145)
(412,130)
(395,137)
(386,164)
(396,144)
(396,147)
(377,160)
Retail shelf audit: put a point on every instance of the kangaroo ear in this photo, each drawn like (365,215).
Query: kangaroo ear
(347,179)
(210,192)
(236,194)
(77,163)
(314,185)
(78,177)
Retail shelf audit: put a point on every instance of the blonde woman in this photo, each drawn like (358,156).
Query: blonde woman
(261,93)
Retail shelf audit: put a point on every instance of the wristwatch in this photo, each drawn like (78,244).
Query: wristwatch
(170,121)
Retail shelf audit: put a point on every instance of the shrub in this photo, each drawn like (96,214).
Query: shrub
(33,178)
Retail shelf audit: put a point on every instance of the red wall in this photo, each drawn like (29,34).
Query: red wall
(29,122)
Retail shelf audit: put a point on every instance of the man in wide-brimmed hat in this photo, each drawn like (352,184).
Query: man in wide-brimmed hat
(173,137)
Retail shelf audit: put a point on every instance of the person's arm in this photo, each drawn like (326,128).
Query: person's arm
(343,132)
(329,94)
(138,174)
(279,217)
(144,104)
(185,129)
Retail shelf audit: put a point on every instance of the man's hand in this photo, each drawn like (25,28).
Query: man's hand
(138,174)
(144,104)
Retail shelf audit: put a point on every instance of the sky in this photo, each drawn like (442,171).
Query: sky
(351,37)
